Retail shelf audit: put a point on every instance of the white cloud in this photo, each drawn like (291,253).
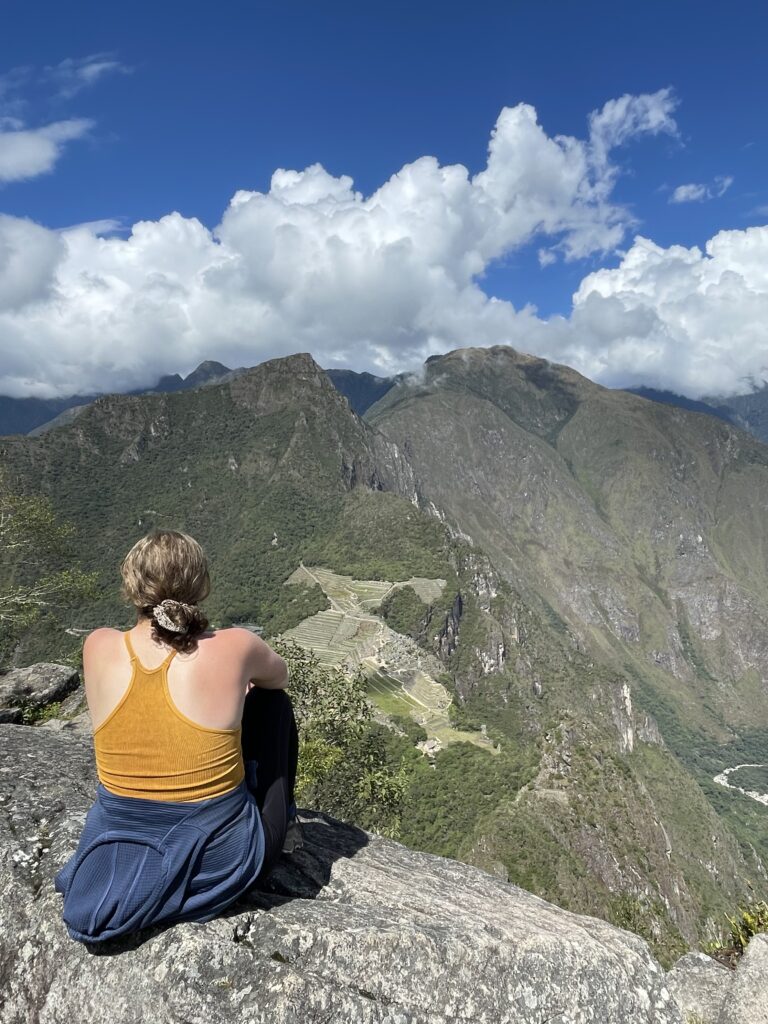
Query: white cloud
(381,282)
(29,258)
(26,152)
(74,74)
(699,193)
(679,318)
(689,194)
(105,226)
(629,116)
(29,152)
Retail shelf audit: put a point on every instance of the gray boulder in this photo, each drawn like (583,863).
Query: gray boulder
(353,928)
(35,687)
(747,1001)
(700,986)
(80,723)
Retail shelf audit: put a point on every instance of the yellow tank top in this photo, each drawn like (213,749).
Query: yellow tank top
(146,747)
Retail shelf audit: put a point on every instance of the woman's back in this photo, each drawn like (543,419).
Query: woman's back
(167,724)
(208,685)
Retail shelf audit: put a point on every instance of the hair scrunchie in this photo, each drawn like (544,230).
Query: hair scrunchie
(161,616)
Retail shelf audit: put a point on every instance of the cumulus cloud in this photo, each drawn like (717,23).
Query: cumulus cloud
(374,282)
(700,193)
(686,319)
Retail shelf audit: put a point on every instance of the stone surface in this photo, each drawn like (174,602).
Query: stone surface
(700,986)
(353,928)
(78,724)
(74,703)
(36,687)
(747,1002)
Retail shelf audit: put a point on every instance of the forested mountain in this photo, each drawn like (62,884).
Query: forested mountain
(604,614)
(37,415)
(748,411)
(751,411)
(362,389)
(714,408)
(28,415)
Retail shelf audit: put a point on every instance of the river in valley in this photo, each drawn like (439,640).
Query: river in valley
(723,780)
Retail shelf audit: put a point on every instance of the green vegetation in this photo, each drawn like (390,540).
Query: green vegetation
(751,778)
(642,915)
(749,920)
(37,581)
(363,544)
(405,612)
(447,801)
(343,767)
(414,732)
(388,695)
(35,715)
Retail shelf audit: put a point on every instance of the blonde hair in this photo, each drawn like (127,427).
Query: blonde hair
(165,576)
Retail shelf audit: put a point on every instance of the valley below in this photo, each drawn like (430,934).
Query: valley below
(724,779)
(557,594)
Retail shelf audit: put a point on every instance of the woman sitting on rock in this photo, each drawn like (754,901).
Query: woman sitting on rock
(196,750)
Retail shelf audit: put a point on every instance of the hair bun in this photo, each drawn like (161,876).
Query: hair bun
(174,616)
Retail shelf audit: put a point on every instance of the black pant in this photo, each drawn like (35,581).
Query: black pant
(270,737)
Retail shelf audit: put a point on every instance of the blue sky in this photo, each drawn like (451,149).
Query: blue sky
(199,101)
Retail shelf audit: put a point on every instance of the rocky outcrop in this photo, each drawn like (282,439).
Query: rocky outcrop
(33,688)
(352,928)
(631,724)
(748,997)
(700,986)
(448,635)
(709,993)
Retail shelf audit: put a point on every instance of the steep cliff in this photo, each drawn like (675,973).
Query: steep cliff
(635,529)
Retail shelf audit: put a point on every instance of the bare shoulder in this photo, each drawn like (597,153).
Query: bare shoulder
(236,637)
(231,643)
(100,639)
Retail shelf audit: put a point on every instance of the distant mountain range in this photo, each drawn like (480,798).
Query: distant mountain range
(605,612)
(36,415)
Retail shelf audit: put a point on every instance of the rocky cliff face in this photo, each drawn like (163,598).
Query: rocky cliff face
(352,928)
(636,522)
(630,616)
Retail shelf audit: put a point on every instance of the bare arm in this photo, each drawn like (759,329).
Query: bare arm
(266,669)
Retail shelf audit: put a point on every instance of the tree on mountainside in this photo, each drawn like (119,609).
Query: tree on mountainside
(38,575)
(346,766)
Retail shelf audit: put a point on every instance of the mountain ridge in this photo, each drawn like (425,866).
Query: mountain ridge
(362,389)
(459,474)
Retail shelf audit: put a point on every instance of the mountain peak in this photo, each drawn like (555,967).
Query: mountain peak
(208,370)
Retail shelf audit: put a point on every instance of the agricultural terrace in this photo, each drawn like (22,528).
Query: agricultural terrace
(400,674)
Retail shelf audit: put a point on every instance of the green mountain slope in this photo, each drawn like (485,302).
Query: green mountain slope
(261,468)
(638,531)
(524,488)
(640,524)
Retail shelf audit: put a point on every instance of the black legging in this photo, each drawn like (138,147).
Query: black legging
(270,737)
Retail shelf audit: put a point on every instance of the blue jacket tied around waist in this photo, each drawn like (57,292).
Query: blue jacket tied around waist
(146,862)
